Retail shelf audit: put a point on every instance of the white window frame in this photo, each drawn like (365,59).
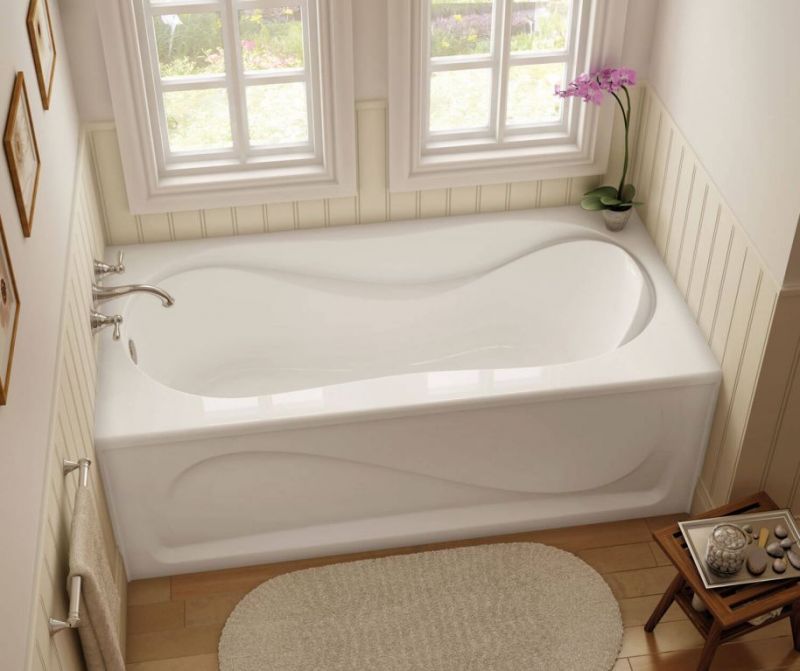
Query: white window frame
(576,145)
(158,179)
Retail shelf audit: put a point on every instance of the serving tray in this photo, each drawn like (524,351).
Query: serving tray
(697,532)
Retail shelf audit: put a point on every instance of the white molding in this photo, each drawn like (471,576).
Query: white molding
(150,190)
(583,151)
(372,104)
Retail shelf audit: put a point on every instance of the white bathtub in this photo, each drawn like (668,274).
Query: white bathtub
(326,391)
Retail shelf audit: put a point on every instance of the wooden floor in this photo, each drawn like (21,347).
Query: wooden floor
(174,623)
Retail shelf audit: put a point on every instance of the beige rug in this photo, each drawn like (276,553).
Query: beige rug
(510,607)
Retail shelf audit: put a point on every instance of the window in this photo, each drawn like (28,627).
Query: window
(233,101)
(481,76)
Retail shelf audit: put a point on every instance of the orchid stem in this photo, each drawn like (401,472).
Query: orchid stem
(626,119)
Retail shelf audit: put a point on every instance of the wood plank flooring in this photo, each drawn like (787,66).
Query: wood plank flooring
(174,623)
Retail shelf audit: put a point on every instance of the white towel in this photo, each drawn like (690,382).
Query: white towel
(100,601)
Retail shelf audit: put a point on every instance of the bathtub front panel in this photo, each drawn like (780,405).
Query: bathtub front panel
(317,491)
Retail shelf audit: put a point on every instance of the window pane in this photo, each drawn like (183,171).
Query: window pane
(272,39)
(530,93)
(461,27)
(198,120)
(189,44)
(460,99)
(539,26)
(277,113)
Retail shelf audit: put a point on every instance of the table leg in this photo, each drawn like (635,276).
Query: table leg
(710,648)
(795,620)
(666,601)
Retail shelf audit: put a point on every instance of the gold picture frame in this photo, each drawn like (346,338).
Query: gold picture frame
(43,45)
(9,316)
(22,153)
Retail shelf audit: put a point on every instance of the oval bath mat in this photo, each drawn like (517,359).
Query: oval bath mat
(507,607)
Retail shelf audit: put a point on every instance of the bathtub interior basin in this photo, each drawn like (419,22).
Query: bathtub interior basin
(260,330)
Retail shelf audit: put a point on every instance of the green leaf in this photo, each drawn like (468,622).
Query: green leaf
(592,203)
(628,192)
(602,191)
(610,200)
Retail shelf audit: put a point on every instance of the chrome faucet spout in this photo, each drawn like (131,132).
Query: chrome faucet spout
(102,294)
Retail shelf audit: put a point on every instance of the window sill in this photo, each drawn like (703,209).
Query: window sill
(254,187)
(472,168)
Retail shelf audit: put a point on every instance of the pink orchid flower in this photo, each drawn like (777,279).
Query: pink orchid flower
(590,87)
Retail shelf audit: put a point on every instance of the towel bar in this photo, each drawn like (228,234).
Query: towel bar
(73,617)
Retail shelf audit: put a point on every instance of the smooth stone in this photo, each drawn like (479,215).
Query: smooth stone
(794,559)
(757,561)
(780,531)
(774,549)
(779,565)
(786,543)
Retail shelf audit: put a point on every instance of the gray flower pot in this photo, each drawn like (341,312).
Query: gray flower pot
(615,221)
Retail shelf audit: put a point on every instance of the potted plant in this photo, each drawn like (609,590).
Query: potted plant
(616,202)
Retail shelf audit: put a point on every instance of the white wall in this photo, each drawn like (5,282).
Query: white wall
(727,72)
(39,264)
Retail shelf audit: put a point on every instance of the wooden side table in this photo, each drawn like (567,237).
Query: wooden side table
(729,608)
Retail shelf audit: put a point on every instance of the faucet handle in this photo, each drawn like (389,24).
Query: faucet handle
(100,321)
(102,269)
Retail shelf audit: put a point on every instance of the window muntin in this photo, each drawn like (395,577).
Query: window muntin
(491,67)
(232,84)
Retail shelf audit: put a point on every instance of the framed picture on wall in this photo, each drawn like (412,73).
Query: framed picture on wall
(22,153)
(9,316)
(43,44)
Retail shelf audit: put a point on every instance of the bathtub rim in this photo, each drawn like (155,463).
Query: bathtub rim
(243,427)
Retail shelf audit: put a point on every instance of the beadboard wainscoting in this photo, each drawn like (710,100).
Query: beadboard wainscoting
(71,438)
(374,202)
(750,324)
